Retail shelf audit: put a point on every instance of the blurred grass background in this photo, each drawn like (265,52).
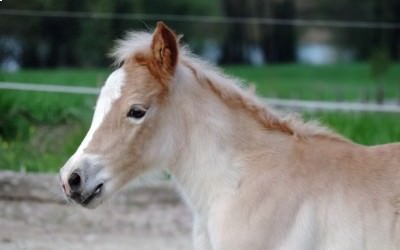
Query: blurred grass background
(342,82)
(43,129)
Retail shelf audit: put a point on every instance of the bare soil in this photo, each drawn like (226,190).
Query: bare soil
(145,215)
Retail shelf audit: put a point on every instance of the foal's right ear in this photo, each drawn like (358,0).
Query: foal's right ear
(164,52)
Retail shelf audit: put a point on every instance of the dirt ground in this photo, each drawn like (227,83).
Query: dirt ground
(145,215)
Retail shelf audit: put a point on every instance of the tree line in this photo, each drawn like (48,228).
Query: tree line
(59,41)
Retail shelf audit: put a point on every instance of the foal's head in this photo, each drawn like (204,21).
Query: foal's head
(118,144)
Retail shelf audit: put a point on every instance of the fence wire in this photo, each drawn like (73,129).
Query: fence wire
(202,19)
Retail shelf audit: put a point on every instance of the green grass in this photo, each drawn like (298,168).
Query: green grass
(46,149)
(362,128)
(46,108)
(347,81)
(39,131)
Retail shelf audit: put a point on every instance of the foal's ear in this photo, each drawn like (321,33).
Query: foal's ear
(164,50)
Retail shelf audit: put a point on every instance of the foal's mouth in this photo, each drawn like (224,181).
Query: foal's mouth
(85,200)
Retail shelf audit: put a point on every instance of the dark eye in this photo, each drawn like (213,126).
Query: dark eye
(136,112)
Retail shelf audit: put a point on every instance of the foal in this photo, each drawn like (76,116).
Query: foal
(254,179)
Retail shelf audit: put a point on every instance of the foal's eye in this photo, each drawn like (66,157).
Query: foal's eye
(136,112)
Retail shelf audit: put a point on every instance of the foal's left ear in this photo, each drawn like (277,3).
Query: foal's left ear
(164,50)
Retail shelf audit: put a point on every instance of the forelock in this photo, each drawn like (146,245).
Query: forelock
(132,43)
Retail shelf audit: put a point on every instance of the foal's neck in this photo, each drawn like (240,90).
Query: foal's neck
(217,144)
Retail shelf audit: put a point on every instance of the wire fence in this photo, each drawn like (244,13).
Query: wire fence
(203,19)
(283,103)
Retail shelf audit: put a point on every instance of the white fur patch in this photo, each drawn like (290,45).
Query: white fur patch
(110,92)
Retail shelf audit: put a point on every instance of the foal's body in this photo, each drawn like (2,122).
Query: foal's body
(254,178)
(252,188)
(317,195)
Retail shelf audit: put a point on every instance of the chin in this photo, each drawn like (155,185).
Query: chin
(93,204)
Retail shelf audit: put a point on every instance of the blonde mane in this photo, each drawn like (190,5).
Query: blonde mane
(229,90)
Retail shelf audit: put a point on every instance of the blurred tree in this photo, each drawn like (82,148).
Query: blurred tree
(366,40)
(95,35)
(277,42)
(61,41)
(235,39)
(45,41)
(389,40)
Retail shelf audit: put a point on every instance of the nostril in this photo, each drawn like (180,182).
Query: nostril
(74,181)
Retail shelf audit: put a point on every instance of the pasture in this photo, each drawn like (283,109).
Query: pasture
(39,131)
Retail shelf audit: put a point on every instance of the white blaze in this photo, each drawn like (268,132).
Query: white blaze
(110,92)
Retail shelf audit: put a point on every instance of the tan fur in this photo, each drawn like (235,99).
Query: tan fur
(254,178)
